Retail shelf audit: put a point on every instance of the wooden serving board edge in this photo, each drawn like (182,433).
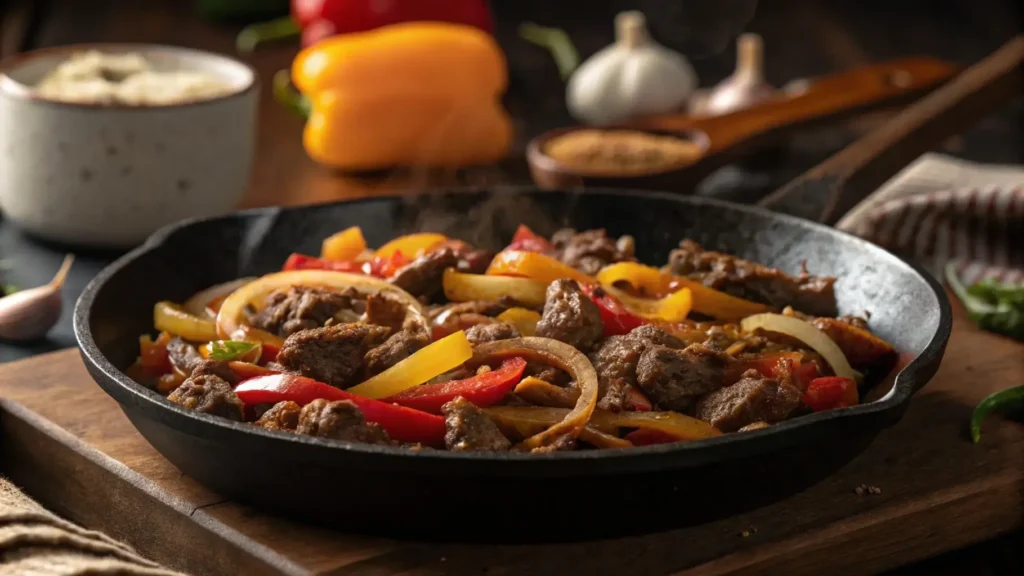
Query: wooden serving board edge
(84,485)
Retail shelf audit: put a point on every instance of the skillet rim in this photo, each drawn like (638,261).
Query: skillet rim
(127,392)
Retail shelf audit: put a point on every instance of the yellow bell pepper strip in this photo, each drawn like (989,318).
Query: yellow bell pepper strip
(411,246)
(654,282)
(459,287)
(232,314)
(525,321)
(535,266)
(563,357)
(433,360)
(417,93)
(346,245)
(672,308)
(171,318)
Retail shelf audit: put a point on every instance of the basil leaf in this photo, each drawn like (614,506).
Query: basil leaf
(230,349)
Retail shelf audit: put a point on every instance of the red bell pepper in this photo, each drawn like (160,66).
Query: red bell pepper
(482,390)
(381,267)
(637,401)
(401,423)
(527,241)
(319,19)
(617,320)
(776,365)
(831,392)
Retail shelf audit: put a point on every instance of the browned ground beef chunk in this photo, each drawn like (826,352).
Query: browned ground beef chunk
(422,276)
(398,347)
(302,308)
(470,429)
(591,250)
(475,261)
(674,379)
(616,360)
(812,294)
(341,420)
(753,399)
(333,354)
(281,416)
(217,368)
(491,333)
(210,394)
(385,309)
(563,443)
(570,316)
(183,355)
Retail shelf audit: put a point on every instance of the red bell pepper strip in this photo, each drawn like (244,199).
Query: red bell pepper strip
(302,262)
(527,241)
(401,423)
(777,365)
(830,392)
(482,390)
(319,19)
(386,266)
(617,320)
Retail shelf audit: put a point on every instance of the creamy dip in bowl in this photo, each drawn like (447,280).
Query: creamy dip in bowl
(102,144)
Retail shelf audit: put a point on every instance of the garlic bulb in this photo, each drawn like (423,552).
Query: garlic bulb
(30,314)
(635,76)
(744,88)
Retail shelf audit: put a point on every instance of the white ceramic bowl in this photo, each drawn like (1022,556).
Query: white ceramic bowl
(108,176)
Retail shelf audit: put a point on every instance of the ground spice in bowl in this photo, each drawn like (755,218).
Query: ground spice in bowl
(621,151)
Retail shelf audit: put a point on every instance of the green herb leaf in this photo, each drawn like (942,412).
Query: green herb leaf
(993,306)
(557,42)
(1009,399)
(227,350)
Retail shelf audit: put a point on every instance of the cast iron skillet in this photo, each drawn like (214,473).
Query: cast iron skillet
(505,496)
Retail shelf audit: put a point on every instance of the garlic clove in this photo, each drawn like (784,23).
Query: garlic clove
(30,314)
(744,88)
(634,76)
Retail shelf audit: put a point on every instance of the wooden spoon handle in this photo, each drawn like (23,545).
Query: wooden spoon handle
(859,169)
(826,98)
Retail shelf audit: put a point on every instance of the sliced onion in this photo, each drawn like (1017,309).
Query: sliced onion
(232,311)
(459,287)
(196,305)
(671,308)
(559,355)
(805,332)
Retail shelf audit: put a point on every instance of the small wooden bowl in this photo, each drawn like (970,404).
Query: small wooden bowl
(726,138)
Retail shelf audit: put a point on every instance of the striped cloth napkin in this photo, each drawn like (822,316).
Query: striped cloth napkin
(943,210)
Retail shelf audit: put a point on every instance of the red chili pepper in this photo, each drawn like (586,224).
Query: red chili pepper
(617,320)
(647,437)
(528,241)
(831,392)
(401,423)
(482,390)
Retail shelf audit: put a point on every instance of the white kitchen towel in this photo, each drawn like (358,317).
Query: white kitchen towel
(942,209)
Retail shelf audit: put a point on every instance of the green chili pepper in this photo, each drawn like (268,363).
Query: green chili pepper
(1009,399)
(993,306)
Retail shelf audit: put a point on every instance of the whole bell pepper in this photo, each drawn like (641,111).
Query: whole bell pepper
(412,94)
(319,19)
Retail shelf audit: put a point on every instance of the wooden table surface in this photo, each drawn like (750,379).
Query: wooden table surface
(802,38)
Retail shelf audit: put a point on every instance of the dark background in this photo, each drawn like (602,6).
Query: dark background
(802,38)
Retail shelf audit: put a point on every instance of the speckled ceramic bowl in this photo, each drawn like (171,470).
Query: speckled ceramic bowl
(108,176)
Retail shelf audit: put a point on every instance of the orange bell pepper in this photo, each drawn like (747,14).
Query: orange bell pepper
(345,245)
(535,266)
(417,93)
(705,300)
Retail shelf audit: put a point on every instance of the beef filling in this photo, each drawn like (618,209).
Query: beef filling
(753,399)
(491,332)
(469,428)
(281,416)
(812,294)
(341,420)
(570,316)
(422,277)
(209,394)
(183,355)
(398,347)
(333,354)
(674,379)
(302,308)
(385,309)
(591,250)
(616,361)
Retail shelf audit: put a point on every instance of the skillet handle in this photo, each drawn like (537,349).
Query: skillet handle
(853,173)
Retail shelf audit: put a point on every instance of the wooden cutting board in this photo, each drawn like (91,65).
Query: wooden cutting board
(67,443)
